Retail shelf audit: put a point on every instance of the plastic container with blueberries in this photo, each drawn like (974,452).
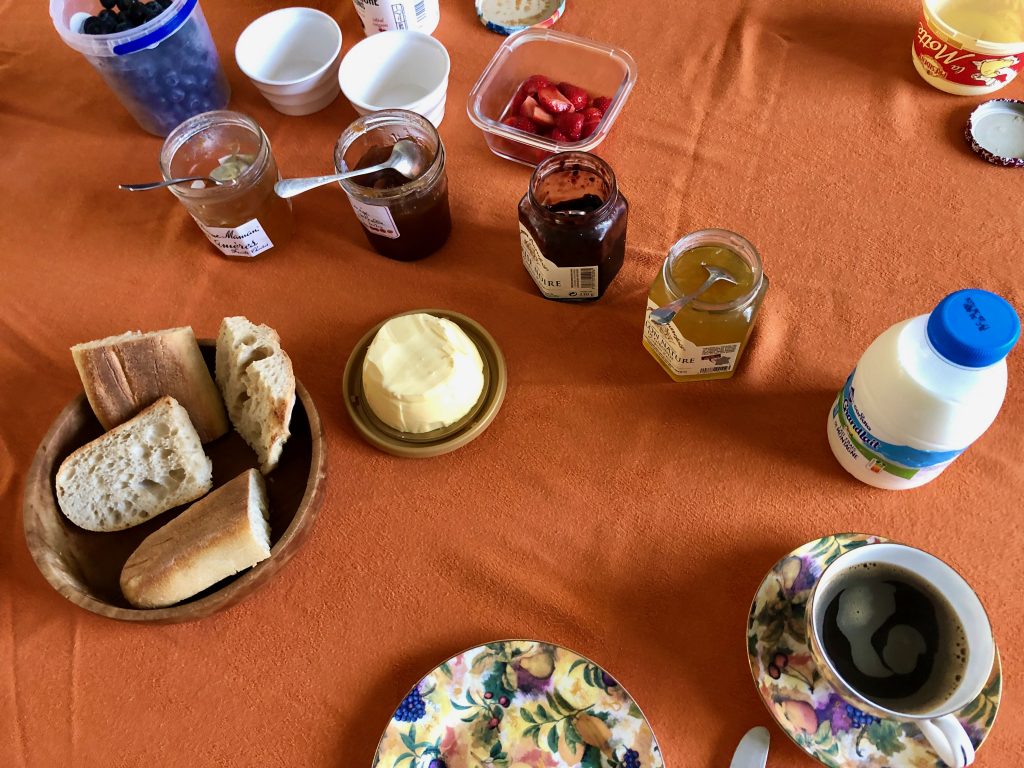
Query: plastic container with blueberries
(163,71)
(600,69)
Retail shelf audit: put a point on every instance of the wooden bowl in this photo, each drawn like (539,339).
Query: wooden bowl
(85,566)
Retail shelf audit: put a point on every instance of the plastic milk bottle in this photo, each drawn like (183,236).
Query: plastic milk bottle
(924,391)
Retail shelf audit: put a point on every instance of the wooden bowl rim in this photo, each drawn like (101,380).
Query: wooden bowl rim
(240,588)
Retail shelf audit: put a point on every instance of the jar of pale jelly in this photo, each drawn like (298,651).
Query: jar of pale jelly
(706,338)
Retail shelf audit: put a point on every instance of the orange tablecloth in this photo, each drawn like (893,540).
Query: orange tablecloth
(607,508)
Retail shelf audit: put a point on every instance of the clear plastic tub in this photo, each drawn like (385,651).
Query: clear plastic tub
(164,71)
(600,69)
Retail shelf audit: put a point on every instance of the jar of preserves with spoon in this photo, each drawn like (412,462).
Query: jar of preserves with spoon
(702,305)
(241,215)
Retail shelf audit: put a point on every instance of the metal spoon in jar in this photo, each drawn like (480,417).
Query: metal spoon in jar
(406,158)
(171,182)
(664,315)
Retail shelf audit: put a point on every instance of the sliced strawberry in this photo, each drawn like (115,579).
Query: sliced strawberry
(570,124)
(517,101)
(534,83)
(520,123)
(531,110)
(578,97)
(601,103)
(591,118)
(553,101)
(557,135)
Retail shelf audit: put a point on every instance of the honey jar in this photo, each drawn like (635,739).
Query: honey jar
(706,338)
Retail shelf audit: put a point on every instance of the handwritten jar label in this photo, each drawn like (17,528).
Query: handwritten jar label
(248,239)
(943,58)
(376,218)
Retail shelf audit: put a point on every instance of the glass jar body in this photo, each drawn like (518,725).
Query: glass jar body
(705,340)
(403,219)
(572,227)
(243,218)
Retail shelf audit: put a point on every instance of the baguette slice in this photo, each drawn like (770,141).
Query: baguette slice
(124,374)
(135,471)
(216,537)
(255,376)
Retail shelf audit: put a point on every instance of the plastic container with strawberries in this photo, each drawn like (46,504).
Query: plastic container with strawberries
(546,92)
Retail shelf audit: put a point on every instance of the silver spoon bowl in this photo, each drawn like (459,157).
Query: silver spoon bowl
(664,315)
(406,158)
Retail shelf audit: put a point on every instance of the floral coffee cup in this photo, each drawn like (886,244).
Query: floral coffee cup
(902,636)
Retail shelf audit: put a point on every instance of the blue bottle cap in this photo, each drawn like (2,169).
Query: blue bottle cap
(506,17)
(973,328)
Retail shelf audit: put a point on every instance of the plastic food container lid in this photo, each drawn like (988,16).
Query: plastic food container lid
(507,17)
(995,130)
(439,441)
(973,328)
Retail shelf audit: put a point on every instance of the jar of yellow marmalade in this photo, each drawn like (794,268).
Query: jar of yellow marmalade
(706,338)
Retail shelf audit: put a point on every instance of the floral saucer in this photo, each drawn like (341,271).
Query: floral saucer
(811,713)
(518,704)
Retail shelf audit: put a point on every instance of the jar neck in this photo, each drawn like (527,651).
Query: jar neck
(210,123)
(721,238)
(569,176)
(384,128)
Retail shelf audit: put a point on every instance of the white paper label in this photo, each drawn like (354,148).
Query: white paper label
(554,281)
(247,239)
(376,218)
(682,356)
(382,15)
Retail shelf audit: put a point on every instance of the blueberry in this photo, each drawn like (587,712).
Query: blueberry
(171,79)
(91,26)
(176,95)
(122,26)
(107,17)
(108,4)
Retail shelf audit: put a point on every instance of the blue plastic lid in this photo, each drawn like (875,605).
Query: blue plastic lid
(973,328)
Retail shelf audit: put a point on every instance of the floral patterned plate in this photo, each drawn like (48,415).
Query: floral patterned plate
(810,712)
(518,704)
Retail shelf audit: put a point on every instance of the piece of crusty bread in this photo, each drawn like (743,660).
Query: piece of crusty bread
(218,536)
(124,374)
(255,376)
(146,466)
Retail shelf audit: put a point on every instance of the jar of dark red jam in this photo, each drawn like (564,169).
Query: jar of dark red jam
(572,226)
(404,219)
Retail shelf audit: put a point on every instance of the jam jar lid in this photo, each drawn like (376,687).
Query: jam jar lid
(507,18)
(995,131)
(438,441)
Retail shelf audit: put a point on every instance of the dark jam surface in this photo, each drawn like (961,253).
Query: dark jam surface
(586,204)
(422,218)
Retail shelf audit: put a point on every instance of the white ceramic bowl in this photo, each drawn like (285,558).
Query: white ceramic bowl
(398,69)
(291,55)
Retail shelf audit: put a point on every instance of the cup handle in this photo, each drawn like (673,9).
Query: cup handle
(949,740)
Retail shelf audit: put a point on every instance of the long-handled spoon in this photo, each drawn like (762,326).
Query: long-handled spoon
(664,315)
(406,158)
(171,182)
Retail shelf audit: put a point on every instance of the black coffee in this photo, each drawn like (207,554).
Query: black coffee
(893,637)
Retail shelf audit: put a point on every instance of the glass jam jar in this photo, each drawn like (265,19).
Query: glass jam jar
(243,217)
(572,227)
(403,219)
(707,337)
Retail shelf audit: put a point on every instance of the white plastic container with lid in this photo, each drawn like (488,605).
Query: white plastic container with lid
(924,391)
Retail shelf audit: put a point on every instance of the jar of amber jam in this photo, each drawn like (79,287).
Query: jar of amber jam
(572,227)
(404,219)
(706,338)
(241,217)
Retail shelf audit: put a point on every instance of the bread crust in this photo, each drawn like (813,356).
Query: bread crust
(123,374)
(211,540)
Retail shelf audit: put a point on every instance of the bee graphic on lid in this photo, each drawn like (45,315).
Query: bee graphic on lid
(990,70)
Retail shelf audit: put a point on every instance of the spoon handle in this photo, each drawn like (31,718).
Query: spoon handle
(167,183)
(664,315)
(291,187)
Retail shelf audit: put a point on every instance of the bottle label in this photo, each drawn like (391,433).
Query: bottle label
(943,58)
(554,281)
(682,356)
(248,239)
(382,15)
(852,428)
(376,218)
